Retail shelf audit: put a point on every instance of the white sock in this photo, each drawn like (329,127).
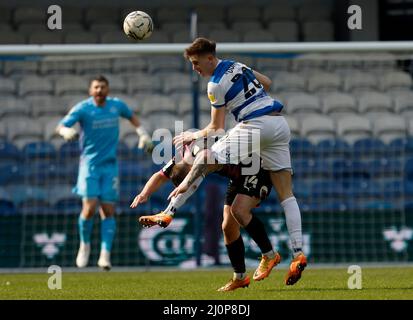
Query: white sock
(176,202)
(270,254)
(293,221)
(239,276)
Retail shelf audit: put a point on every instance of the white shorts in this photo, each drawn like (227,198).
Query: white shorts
(266,136)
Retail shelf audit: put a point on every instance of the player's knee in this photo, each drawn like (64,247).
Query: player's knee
(240,214)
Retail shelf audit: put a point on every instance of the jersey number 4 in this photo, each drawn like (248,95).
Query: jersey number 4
(247,76)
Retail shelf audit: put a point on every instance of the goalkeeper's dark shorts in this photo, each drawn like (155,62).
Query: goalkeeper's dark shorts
(258,186)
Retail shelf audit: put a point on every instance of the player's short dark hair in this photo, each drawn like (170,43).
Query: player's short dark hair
(99,78)
(179,172)
(200,46)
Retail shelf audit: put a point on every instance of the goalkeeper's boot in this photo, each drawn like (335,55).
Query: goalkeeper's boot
(104,260)
(265,266)
(83,254)
(160,219)
(297,266)
(234,284)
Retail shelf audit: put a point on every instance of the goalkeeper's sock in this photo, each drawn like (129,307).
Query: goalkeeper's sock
(256,231)
(108,228)
(85,229)
(180,199)
(293,221)
(236,254)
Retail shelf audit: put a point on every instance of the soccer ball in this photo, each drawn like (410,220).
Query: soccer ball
(138,25)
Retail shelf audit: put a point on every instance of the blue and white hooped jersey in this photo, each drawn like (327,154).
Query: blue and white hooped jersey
(235,86)
(100,128)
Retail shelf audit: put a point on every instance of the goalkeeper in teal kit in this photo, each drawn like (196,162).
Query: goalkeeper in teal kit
(97,181)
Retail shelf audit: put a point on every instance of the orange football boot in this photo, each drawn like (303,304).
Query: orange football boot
(160,219)
(297,266)
(234,284)
(265,266)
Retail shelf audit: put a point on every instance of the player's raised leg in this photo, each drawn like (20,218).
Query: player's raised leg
(283,185)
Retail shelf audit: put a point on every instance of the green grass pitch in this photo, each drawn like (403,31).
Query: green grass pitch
(316,283)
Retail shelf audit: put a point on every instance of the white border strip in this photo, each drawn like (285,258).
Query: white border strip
(173,48)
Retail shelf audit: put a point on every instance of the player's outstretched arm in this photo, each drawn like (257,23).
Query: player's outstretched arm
(153,184)
(145,141)
(203,165)
(217,123)
(69,134)
(264,80)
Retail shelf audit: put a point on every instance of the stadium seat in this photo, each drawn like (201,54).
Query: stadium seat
(356,82)
(45,105)
(93,66)
(70,205)
(403,103)
(42,150)
(324,82)
(57,67)
(117,84)
(23,130)
(394,189)
(12,107)
(115,37)
(243,13)
(318,31)
(20,68)
(9,152)
(367,148)
(284,31)
(281,11)
(23,192)
(294,126)
(177,83)
(396,81)
(327,189)
(385,167)
(303,104)
(28,14)
(10,173)
(46,37)
(351,128)
(317,128)
(81,37)
(333,149)
(408,169)
(12,38)
(301,148)
(258,36)
(7,207)
(348,169)
(129,64)
(35,206)
(339,104)
(69,152)
(225,35)
(101,14)
(141,82)
(210,12)
(390,128)
(314,11)
(246,26)
(165,64)
(71,85)
(158,103)
(375,103)
(7,86)
(287,81)
(101,27)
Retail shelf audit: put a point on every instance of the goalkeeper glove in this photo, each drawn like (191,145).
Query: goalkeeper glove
(145,141)
(69,134)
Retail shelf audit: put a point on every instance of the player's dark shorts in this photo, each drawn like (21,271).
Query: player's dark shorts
(258,186)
